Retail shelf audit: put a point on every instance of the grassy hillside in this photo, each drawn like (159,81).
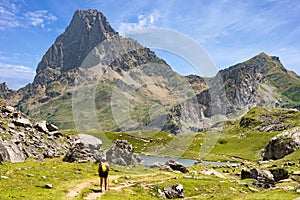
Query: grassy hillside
(242,139)
(79,180)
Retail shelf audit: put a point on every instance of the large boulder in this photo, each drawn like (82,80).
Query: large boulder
(10,152)
(122,153)
(262,178)
(282,144)
(84,148)
(41,126)
(174,191)
(90,142)
(177,166)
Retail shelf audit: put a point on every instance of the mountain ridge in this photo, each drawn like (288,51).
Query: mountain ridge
(255,82)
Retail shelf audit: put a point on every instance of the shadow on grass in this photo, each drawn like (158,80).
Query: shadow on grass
(95,190)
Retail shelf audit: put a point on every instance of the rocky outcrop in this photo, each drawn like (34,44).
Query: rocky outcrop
(84,148)
(177,166)
(279,174)
(269,120)
(22,137)
(174,191)
(170,166)
(262,178)
(282,144)
(5,92)
(122,153)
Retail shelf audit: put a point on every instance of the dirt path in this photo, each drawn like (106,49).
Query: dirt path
(96,193)
(74,192)
(79,187)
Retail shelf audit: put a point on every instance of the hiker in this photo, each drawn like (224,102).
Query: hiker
(103,170)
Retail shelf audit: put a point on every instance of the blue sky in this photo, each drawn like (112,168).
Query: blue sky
(229,31)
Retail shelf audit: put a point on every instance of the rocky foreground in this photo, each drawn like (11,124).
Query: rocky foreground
(22,137)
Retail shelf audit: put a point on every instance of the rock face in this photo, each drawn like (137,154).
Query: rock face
(282,144)
(122,153)
(86,30)
(11,152)
(22,137)
(84,148)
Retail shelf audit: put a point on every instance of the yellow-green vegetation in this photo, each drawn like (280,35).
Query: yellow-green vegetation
(27,180)
(236,142)
(57,111)
(239,140)
(78,180)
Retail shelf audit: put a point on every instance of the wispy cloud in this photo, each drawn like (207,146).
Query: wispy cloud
(40,17)
(10,72)
(143,21)
(8,15)
(11,16)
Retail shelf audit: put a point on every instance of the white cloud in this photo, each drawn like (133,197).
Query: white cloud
(39,17)
(8,16)
(144,21)
(9,70)
(11,16)
(16,76)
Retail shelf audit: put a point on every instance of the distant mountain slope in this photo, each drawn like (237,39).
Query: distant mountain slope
(125,86)
(259,81)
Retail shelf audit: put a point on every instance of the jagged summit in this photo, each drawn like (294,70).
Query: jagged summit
(4,90)
(262,62)
(143,78)
(86,30)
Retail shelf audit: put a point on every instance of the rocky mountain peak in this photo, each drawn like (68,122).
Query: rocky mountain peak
(3,87)
(266,64)
(87,29)
(5,92)
(89,20)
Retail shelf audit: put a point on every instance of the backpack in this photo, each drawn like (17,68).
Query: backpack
(104,167)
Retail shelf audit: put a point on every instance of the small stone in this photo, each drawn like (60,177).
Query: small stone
(287,188)
(296,173)
(263,162)
(298,190)
(152,193)
(126,177)
(30,175)
(4,177)
(285,180)
(196,189)
(44,177)
(115,181)
(253,189)
(243,183)
(48,186)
